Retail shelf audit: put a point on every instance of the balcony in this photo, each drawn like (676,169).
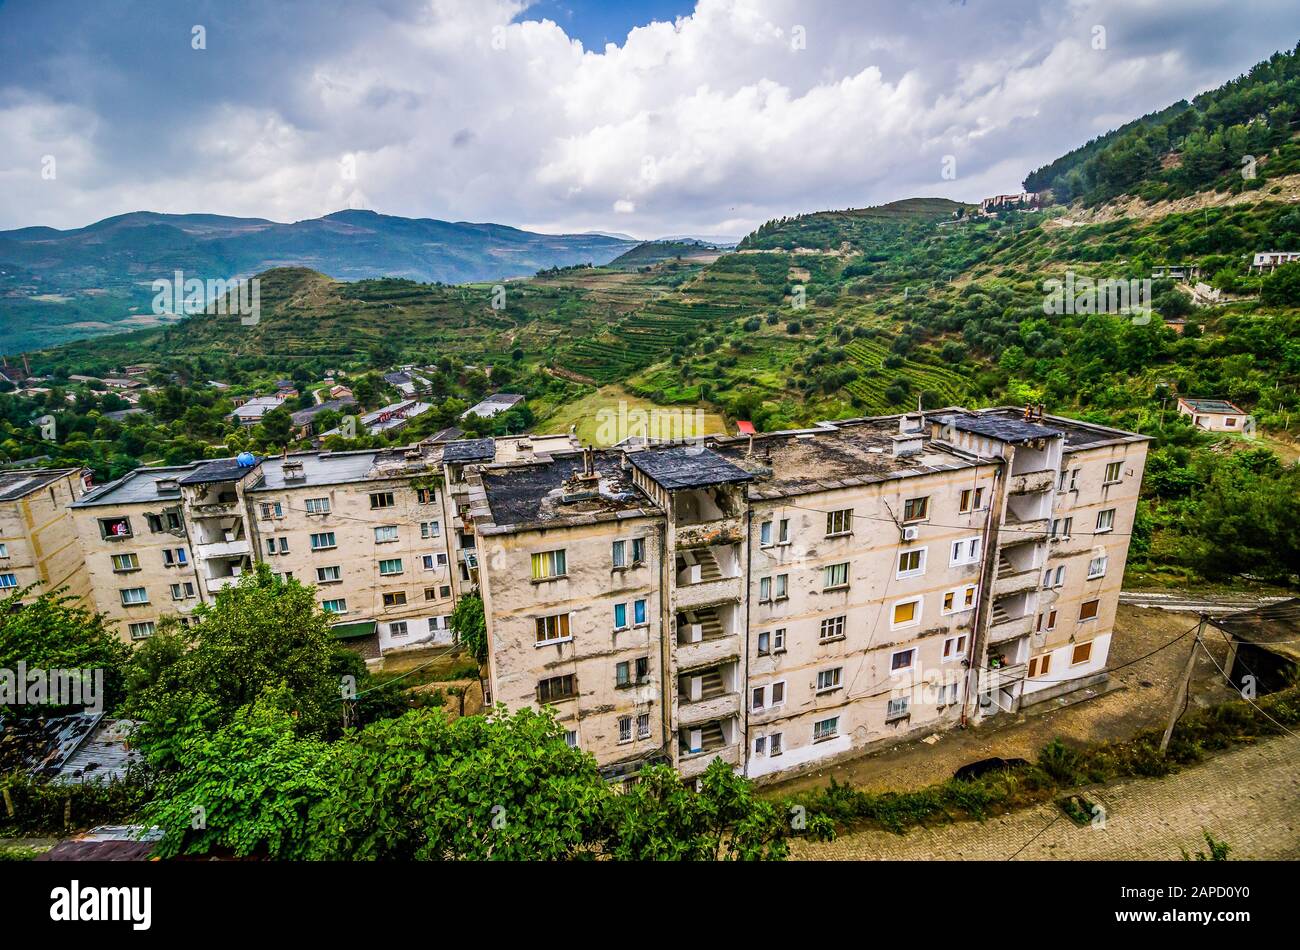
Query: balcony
(1017,531)
(1015,582)
(703,743)
(215,584)
(1031,482)
(702,710)
(706,652)
(709,534)
(214,509)
(235,548)
(1005,628)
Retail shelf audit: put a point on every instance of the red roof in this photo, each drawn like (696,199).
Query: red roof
(745,428)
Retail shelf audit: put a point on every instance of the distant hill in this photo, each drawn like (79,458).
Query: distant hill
(857,227)
(1235,137)
(61,285)
(652,252)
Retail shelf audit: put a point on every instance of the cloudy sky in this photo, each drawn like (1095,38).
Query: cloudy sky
(649,118)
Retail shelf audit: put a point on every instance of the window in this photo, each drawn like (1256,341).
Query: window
(778,693)
(1082,653)
(381,499)
(947,694)
(272,509)
(130,595)
(765,533)
(965,551)
(1088,610)
(8,581)
(318,506)
(557,688)
(552,629)
(319,542)
(1105,520)
(183,591)
(1114,472)
(390,566)
(774,744)
(142,630)
(339,606)
(1040,665)
(1054,578)
(954,648)
(896,709)
(624,728)
(758,698)
(446,590)
(174,556)
(638,550)
(643,726)
(430,529)
(328,575)
(4,549)
(760,745)
(1046,621)
(828,680)
(398,628)
(911,563)
(971,500)
(1097,566)
(782,585)
(906,612)
(902,660)
(620,616)
(955,601)
(638,612)
(826,728)
(916,509)
(426,561)
(839,522)
(783,531)
(125,562)
(571,738)
(1062,527)
(426,496)
(771,641)
(765,589)
(549,564)
(623,674)
(620,553)
(834,575)
(113,528)
(643,669)
(832,628)
(1068,480)
(385,533)
(395,599)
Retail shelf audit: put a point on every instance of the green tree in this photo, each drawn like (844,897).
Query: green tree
(500,786)
(468,621)
(50,632)
(662,819)
(1282,287)
(263,633)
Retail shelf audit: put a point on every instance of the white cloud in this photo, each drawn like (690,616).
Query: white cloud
(710,124)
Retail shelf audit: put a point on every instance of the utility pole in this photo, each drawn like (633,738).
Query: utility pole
(1183,686)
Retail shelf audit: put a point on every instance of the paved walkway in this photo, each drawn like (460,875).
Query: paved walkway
(1249,798)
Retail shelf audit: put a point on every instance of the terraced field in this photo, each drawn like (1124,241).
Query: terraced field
(869,390)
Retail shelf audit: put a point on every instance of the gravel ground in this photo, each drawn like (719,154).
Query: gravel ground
(1137,696)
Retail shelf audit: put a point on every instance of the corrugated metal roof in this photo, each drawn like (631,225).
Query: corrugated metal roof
(687,467)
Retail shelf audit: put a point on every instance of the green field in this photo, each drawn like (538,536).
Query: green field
(612,413)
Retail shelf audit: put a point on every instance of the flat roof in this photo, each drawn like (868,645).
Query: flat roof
(687,466)
(1213,405)
(137,487)
(324,468)
(16,484)
(836,455)
(999,426)
(469,450)
(548,492)
(219,470)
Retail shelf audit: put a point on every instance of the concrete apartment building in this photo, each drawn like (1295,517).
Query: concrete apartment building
(777,601)
(374,531)
(783,600)
(38,539)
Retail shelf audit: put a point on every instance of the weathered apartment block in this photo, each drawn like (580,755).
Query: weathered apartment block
(377,532)
(38,539)
(775,601)
(785,599)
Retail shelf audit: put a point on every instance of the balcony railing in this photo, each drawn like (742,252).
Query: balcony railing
(1030,482)
(710,533)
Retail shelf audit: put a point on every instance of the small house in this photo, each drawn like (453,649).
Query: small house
(1213,415)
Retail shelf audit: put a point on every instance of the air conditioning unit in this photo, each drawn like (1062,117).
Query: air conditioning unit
(910,534)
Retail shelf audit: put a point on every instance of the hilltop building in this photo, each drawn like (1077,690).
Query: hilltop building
(1213,415)
(38,539)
